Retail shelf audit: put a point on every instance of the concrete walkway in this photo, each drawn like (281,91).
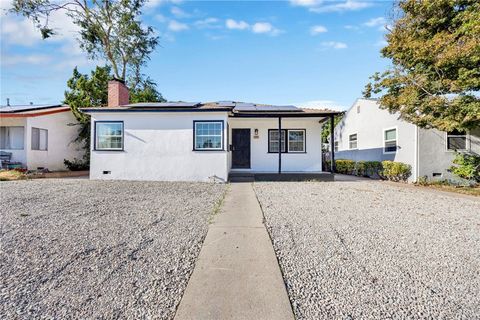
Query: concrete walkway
(237,275)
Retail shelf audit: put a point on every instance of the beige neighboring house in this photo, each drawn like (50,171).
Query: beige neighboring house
(38,136)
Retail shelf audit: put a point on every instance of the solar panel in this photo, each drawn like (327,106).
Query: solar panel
(277,108)
(165,105)
(226,104)
(245,107)
(250,107)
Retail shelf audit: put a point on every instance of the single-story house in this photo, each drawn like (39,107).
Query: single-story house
(38,136)
(369,133)
(184,141)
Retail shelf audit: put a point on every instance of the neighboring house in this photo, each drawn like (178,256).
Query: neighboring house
(367,132)
(181,141)
(39,136)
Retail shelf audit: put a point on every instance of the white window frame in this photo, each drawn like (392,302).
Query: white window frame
(349,141)
(195,123)
(39,139)
(335,146)
(467,141)
(304,140)
(97,148)
(396,140)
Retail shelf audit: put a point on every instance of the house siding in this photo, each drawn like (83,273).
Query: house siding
(159,146)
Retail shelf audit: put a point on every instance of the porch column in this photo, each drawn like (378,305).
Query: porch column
(332,143)
(280,145)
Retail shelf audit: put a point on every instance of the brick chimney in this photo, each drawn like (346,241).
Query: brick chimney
(117,93)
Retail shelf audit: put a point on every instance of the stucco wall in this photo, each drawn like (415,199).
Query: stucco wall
(369,125)
(60,141)
(17,155)
(159,146)
(262,161)
(434,156)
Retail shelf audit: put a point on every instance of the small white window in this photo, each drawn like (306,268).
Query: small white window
(11,138)
(352,141)
(296,141)
(208,135)
(273,140)
(335,146)
(39,139)
(456,140)
(108,135)
(390,141)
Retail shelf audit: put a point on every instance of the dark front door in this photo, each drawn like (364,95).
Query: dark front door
(241,148)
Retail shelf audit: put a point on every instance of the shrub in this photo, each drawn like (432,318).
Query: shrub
(468,166)
(76,164)
(373,168)
(361,168)
(345,166)
(395,171)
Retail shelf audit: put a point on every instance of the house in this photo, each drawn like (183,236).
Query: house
(38,136)
(183,141)
(367,132)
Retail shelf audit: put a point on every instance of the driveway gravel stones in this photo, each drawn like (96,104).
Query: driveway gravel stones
(99,249)
(370,250)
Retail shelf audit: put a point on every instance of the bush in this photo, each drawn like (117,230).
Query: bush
(344,166)
(395,171)
(361,168)
(76,164)
(468,166)
(373,168)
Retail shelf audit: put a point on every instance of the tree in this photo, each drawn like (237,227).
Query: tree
(326,127)
(434,80)
(108,29)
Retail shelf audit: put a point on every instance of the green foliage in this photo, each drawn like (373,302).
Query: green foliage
(108,29)
(326,127)
(467,166)
(145,91)
(434,47)
(76,164)
(395,171)
(344,166)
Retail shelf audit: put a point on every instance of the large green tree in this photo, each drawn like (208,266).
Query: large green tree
(434,78)
(108,29)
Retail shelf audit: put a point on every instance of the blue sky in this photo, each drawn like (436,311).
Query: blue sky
(305,52)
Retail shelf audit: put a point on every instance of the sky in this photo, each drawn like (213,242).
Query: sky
(310,53)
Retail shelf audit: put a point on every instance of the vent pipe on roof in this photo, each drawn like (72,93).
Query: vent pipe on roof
(8,102)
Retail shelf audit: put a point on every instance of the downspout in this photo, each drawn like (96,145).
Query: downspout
(280,145)
(332,144)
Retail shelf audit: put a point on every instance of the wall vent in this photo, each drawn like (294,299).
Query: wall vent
(107,172)
(436,174)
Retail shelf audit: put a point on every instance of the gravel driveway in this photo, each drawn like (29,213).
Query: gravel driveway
(98,249)
(359,250)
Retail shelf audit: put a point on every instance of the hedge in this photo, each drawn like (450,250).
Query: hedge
(388,170)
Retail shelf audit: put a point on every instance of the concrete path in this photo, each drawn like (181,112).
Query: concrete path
(237,275)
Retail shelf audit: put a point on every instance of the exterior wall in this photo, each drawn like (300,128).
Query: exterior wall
(61,135)
(17,155)
(262,161)
(369,125)
(159,146)
(434,156)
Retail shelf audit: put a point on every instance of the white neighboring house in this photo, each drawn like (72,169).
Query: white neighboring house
(179,141)
(39,136)
(369,133)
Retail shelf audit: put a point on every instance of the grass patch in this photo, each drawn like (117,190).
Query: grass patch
(218,205)
(11,175)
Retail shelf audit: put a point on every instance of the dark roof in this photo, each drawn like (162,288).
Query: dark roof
(28,107)
(237,109)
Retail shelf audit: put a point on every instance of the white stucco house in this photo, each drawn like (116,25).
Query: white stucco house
(369,133)
(180,141)
(38,136)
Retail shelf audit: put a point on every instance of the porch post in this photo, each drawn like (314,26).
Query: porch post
(280,145)
(332,143)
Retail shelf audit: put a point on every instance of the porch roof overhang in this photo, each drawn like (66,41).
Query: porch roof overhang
(321,114)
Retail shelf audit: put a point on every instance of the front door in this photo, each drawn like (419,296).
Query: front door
(241,148)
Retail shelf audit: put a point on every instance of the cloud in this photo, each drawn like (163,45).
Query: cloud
(179,13)
(176,26)
(236,25)
(375,22)
(321,104)
(334,45)
(265,27)
(34,59)
(349,5)
(305,3)
(317,29)
(208,23)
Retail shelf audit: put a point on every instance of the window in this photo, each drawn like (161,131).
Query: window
(296,141)
(11,138)
(352,141)
(293,141)
(335,146)
(390,141)
(108,135)
(208,135)
(39,139)
(456,140)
